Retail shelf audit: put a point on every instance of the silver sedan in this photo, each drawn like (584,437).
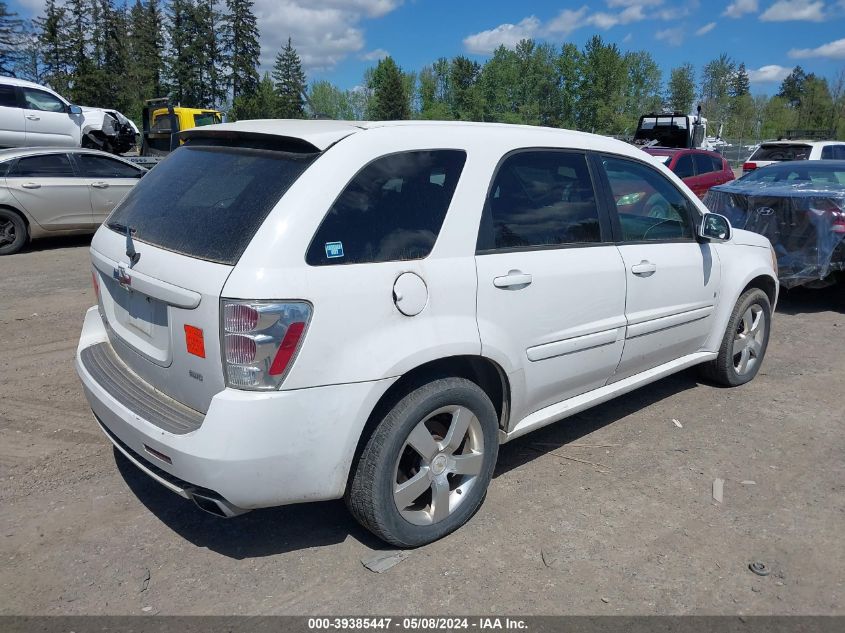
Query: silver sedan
(53,191)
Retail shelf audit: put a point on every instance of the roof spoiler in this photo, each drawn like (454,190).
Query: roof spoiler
(255,140)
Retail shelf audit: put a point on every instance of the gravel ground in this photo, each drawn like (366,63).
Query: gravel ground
(82,532)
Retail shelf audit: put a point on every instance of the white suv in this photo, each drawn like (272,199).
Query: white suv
(772,152)
(292,311)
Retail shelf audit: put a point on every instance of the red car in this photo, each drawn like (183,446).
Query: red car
(698,168)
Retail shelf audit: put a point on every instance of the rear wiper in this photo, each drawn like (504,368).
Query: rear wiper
(120,228)
(131,253)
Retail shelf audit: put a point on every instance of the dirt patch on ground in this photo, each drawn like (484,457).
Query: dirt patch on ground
(82,532)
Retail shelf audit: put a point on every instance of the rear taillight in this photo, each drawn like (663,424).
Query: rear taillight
(834,212)
(749,167)
(261,340)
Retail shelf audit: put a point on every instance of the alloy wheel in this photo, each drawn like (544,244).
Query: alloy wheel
(749,339)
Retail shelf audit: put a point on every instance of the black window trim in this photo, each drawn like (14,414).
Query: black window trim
(14,164)
(610,204)
(605,224)
(463,150)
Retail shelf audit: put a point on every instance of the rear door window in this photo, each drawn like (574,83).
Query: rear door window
(208,200)
(392,209)
(782,151)
(835,152)
(704,164)
(43,166)
(684,167)
(101,167)
(540,198)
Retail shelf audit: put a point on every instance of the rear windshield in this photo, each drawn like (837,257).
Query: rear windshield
(782,152)
(207,202)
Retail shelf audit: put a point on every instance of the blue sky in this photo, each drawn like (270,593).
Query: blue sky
(339,39)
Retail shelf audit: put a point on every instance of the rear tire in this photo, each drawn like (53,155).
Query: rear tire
(425,470)
(13,233)
(744,343)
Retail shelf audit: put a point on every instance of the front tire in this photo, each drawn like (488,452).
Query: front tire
(425,470)
(13,233)
(745,342)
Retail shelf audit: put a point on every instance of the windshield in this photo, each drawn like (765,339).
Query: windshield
(816,172)
(782,151)
(208,201)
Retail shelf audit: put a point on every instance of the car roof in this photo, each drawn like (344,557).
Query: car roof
(671,151)
(14,81)
(798,141)
(19,152)
(323,133)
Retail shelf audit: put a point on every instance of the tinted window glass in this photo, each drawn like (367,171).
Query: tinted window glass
(102,167)
(781,151)
(164,123)
(392,210)
(649,206)
(684,168)
(8,98)
(208,202)
(703,164)
(541,198)
(46,166)
(717,163)
(206,118)
(833,152)
(44,101)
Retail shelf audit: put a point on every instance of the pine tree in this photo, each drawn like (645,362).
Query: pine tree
(53,34)
(262,103)
(681,88)
(180,67)
(740,82)
(290,83)
(212,71)
(145,53)
(11,35)
(389,103)
(240,43)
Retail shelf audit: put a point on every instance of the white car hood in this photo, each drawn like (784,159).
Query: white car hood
(749,238)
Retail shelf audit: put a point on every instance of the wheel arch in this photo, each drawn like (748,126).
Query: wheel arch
(23,216)
(482,371)
(767,284)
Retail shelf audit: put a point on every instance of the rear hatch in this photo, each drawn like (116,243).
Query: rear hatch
(769,153)
(163,256)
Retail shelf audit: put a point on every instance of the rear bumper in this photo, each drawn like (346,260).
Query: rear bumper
(253,449)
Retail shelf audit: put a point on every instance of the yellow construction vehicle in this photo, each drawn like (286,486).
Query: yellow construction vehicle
(162,122)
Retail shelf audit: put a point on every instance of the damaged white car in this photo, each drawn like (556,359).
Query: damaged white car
(32,115)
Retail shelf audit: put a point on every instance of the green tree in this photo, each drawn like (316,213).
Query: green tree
(326,100)
(792,87)
(715,88)
(289,83)
(53,35)
(569,70)
(240,42)
(681,89)
(602,89)
(262,103)
(463,77)
(180,67)
(389,102)
(740,84)
(642,94)
(11,39)
(209,51)
(146,53)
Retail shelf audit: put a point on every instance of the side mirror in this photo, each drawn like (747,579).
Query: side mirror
(74,109)
(715,228)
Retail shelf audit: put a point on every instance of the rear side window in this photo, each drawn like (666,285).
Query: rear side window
(704,164)
(649,206)
(8,97)
(208,201)
(540,198)
(391,210)
(782,152)
(102,167)
(684,168)
(45,166)
(836,152)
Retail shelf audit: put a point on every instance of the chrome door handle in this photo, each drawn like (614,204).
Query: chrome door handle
(100,185)
(31,185)
(514,280)
(644,268)
(33,117)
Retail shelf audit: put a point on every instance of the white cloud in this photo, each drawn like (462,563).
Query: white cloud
(706,28)
(569,20)
(768,74)
(627,38)
(505,34)
(832,50)
(374,55)
(673,36)
(566,22)
(324,32)
(738,8)
(790,10)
